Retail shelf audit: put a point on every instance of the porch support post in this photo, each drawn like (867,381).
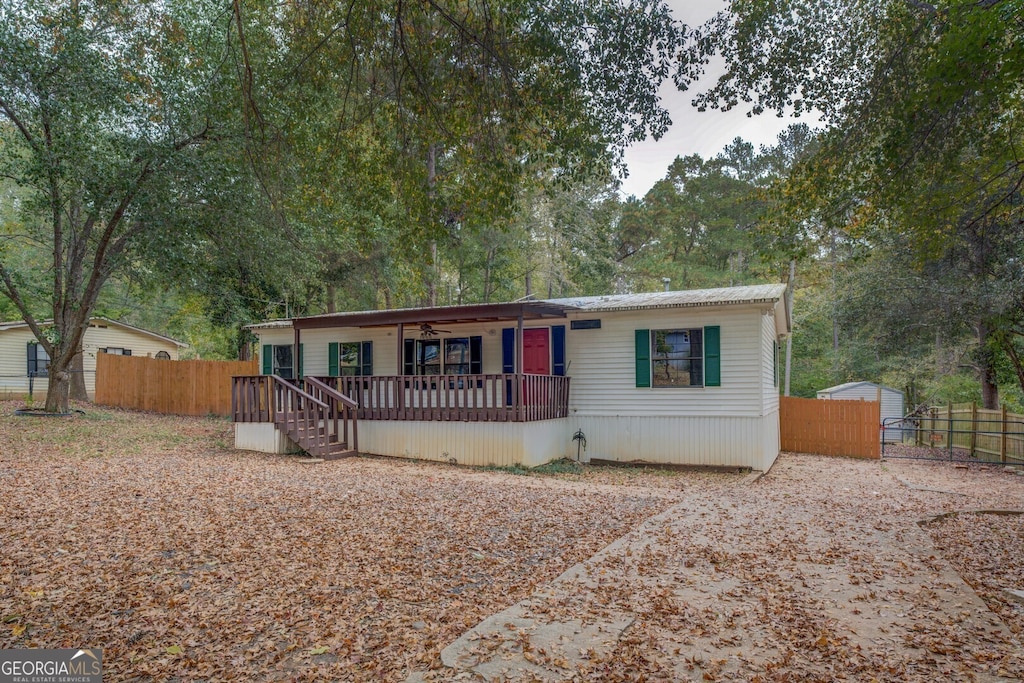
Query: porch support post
(399,371)
(519,367)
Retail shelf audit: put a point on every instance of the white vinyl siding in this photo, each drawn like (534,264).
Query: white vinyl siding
(769,357)
(602,364)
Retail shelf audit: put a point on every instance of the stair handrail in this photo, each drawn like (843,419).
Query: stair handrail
(348,412)
(318,445)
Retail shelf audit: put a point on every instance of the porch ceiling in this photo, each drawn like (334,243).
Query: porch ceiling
(529,310)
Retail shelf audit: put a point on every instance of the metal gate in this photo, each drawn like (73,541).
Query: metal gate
(936,437)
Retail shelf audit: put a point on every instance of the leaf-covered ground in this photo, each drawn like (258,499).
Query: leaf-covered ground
(186,560)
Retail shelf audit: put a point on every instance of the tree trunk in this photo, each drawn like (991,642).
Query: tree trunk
(59,386)
(78,392)
(332,298)
(986,369)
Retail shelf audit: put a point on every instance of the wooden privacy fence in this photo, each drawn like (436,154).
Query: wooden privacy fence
(809,425)
(179,387)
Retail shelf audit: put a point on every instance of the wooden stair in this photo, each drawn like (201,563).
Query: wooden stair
(316,417)
(317,441)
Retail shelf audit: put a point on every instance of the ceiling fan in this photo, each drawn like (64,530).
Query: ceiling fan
(427,330)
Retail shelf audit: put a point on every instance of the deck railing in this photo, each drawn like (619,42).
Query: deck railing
(456,398)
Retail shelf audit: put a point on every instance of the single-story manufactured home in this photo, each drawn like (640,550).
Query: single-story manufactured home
(682,378)
(23,361)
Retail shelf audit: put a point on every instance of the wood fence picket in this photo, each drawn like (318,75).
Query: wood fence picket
(848,428)
(182,387)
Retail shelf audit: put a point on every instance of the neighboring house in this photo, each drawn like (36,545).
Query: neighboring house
(22,357)
(687,377)
(891,402)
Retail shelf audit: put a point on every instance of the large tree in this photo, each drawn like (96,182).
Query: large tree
(924,112)
(105,107)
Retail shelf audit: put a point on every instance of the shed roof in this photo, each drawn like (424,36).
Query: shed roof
(850,385)
(16,324)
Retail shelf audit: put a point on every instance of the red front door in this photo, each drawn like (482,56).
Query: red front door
(536,352)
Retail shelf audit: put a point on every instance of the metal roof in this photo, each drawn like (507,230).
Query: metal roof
(750,294)
(544,308)
(271,325)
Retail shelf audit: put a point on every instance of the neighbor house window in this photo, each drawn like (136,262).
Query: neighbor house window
(677,358)
(163,355)
(38,360)
(117,351)
(453,356)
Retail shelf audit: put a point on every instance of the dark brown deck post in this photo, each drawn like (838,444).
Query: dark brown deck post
(399,371)
(518,369)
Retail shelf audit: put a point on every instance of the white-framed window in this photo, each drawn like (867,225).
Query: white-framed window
(350,359)
(449,356)
(117,351)
(283,361)
(677,358)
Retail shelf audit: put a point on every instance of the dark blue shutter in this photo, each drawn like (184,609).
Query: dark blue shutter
(476,355)
(508,350)
(31,356)
(409,357)
(366,358)
(558,350)
(300,375)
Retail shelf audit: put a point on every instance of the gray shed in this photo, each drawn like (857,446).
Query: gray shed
(892,401)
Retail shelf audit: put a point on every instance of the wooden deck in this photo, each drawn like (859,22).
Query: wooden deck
(445,398)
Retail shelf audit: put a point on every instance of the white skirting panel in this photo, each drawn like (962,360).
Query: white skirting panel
(263,437)
(771,441)
(468,443)
(712,441)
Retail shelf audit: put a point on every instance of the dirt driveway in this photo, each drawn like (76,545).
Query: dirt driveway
(819,571)
(185,560)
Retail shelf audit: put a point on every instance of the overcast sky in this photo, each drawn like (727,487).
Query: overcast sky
(693,132)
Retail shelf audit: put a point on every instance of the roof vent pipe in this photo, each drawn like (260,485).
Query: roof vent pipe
(667,281)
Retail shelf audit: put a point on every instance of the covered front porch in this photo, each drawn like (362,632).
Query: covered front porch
(483,363)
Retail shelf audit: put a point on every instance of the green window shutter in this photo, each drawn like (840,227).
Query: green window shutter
(332,359)
(712,356)
(300,375)
(643,358)
(268,359)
